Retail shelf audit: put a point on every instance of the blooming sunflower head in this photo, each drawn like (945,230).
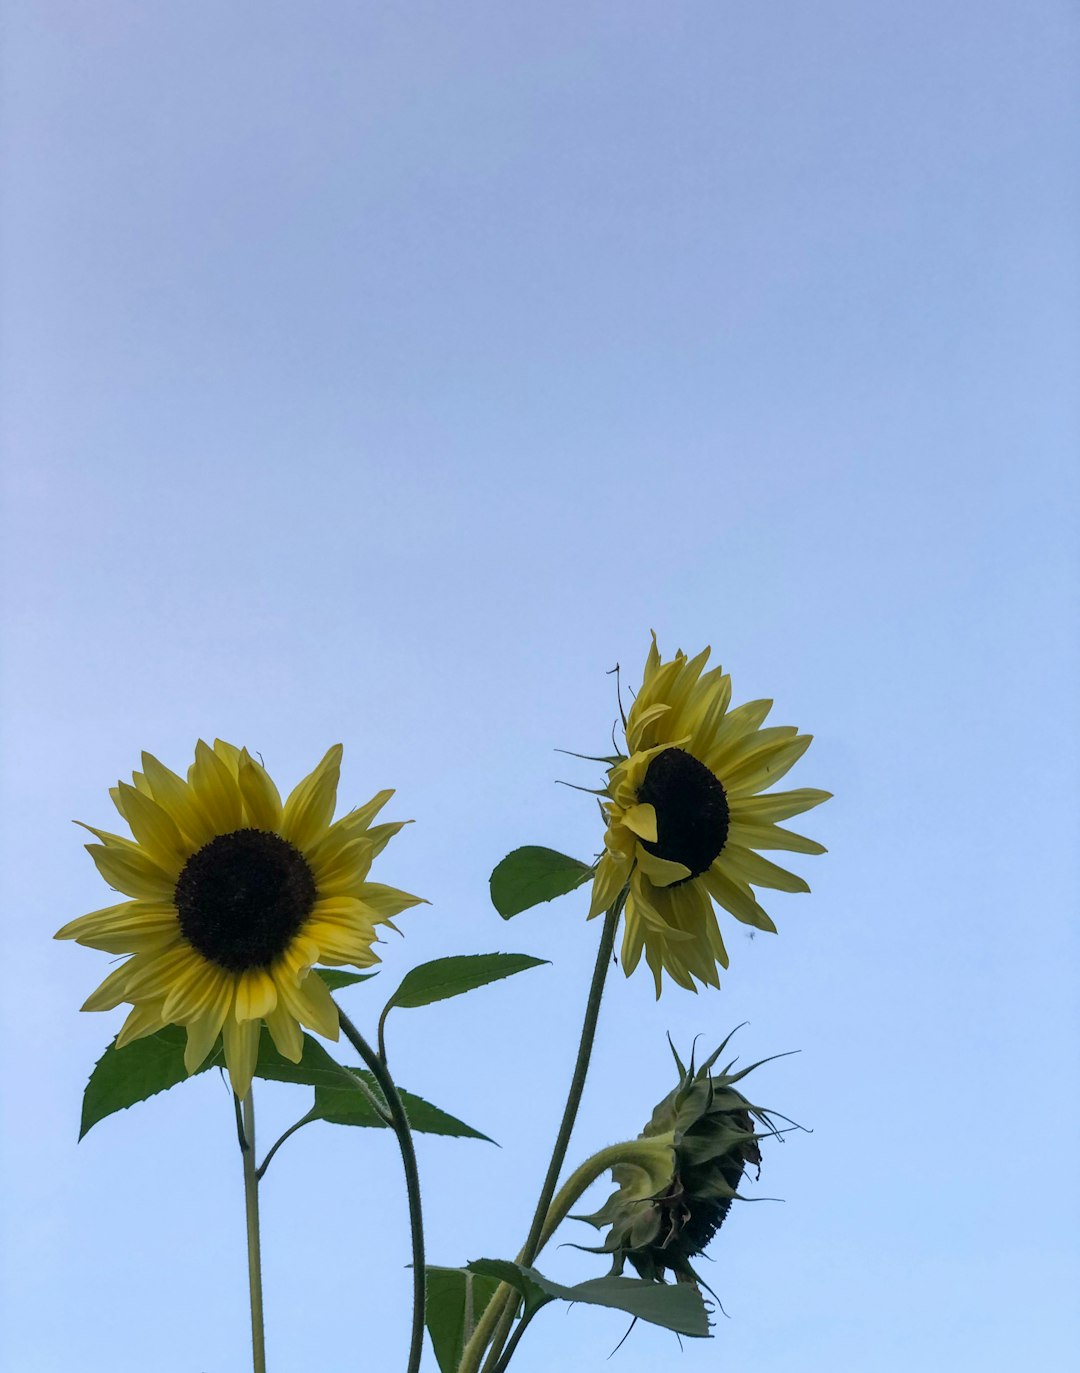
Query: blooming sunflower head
(234,897)
(687,814)
(714,1131)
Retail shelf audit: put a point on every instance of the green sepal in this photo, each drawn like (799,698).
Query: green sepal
(532,874)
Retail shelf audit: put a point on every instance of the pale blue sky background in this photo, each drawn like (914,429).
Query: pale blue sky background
(383,373)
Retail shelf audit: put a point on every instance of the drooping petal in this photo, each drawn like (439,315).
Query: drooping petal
(241,1043)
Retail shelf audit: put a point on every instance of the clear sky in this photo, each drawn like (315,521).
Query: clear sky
(383,373)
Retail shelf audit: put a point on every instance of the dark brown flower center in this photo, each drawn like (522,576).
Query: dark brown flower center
(692,815)
(243,897)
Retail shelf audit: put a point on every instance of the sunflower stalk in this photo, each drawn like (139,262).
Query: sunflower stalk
(245,1125)
(494,1326)
(399,1121)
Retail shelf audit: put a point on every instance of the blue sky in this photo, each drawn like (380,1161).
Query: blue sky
(384,374)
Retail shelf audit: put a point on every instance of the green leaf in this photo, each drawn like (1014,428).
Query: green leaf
(530,875)
(336,978)
(675,1306)
(446,977)
(341,1104)
(123,1077)
(456,1299)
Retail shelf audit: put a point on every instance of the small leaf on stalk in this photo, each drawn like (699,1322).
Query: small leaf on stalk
(341,1104)
(456,1299)
(532,874)
(446,977)
(675,1306)
(336,978)
(141,1069)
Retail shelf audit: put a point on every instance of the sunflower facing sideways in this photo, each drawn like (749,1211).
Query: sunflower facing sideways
(234,898)
(686,815)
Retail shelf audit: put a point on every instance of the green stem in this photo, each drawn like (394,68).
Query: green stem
(494,1325)
(515,1339)
(304,1120)
(400,1124)
(245,1124)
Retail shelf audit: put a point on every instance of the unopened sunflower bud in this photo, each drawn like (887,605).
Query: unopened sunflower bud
(714,1139)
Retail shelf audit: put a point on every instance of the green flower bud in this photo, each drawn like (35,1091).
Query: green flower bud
(711,1129)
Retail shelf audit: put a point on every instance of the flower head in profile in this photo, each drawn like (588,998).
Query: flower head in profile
(687,814)
(234,897)
(714,1132)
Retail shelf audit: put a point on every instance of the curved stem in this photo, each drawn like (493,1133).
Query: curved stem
(400,1124)
(494,1325)
(304,1120)
(245,1123)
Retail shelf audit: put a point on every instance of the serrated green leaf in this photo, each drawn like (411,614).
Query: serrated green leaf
(124,1077)
(341,1104)
(532,874)
(675,1306)
(446,977)
(336,978)
(456,1300)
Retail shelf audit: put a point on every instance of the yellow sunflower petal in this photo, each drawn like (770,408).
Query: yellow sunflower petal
(310,806)
(338,872)
(143,1019)
(754,834)
(241,1043)
(155,830)
(607,884)
(340,944)
(763,767)
(736,898)
(310,1002)
(641,820)
(286,1033)
(387,902)
(262,803)
(777,805)
(661,872)
(216,789)
(112,991)
(131,927)
(130,871)
(751,867)
(229,755)
(174,795)
(256,995)
(205,1026)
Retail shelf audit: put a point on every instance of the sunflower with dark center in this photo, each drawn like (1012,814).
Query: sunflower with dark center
(687,814)
(235,897)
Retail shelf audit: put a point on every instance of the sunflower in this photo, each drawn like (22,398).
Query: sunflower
(685,818)
(235,897)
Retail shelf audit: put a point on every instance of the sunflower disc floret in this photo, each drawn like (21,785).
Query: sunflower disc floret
(235,896)
(687,815)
